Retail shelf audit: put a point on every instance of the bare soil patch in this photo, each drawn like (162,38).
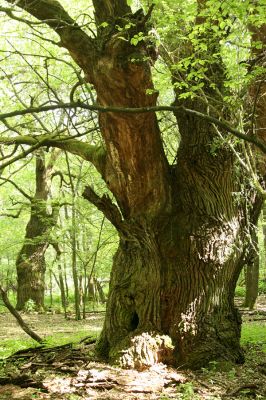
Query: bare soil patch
(73,372)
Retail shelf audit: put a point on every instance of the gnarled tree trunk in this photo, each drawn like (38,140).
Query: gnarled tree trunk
(173,280)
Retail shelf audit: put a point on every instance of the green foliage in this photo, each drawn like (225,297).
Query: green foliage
(136,39)
(188,391)
(59,339)
(262,286)
(185,391)
(240,291)
(30,306)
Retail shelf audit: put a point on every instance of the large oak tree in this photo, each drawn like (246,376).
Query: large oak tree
(184,227)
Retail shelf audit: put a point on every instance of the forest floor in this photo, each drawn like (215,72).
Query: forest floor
(71,371)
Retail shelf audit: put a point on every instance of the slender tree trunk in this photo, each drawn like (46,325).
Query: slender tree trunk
(74,264)
(100,291)
(62,290)
(264,239)
(252,273)
(64,271)
(51,288)
(84,293)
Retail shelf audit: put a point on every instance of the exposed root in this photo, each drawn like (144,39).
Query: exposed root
(143,351)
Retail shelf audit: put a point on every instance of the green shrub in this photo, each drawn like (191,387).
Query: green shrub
(262,286)
(240,291)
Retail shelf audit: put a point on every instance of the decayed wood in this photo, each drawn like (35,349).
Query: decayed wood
(236,391)
(24,381)
(109,9)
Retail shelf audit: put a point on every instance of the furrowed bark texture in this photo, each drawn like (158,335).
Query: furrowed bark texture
(183,228)
(176,275)
(30,262)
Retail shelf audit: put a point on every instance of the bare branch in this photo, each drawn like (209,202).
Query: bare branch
(78,43)
(105,205)
(139,110)
(18,317)
(17,215)
(21,155)
(10,13)
(17,187)
(4,157)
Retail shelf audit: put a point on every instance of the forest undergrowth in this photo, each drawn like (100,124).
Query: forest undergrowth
(66,366)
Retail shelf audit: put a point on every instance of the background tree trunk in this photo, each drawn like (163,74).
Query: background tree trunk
(62,289)
(252,272)
(77,296)
(30,262)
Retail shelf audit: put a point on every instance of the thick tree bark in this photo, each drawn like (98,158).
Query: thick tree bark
(177,275)
(30,262)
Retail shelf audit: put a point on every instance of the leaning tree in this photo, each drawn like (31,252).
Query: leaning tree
(185,226)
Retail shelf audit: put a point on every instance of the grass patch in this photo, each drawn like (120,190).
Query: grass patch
(10,346)
(61,338)
(254,333)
